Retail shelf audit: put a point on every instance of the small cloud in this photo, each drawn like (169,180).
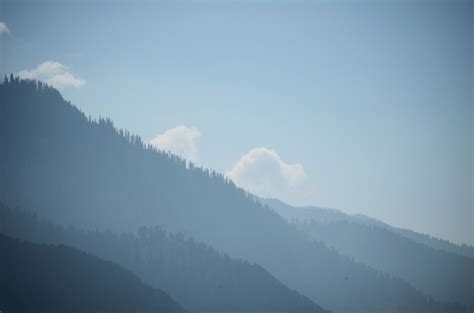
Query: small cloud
(262,172)
(180,140)
(4,28)
(54,74)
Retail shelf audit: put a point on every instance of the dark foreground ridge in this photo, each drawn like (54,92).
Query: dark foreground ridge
(57,279)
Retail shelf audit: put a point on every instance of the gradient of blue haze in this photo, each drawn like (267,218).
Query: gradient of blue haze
(374,99)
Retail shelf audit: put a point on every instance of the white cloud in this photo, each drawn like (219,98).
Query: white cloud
(262,172)
(4,28)
(180,140)
(54,74)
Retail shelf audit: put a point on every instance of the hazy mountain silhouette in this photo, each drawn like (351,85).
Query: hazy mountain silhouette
(444,275)
(433,242)
(199,277)
(46,278)
(74,170)
(325,215)
(306,214)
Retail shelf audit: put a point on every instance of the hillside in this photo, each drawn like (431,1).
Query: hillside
(306,214)
(48,278)
(443,275)
(73,170)
(325,215)
(199,277)
(436,243)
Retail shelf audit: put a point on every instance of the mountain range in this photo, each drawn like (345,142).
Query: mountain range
(439,271)
(74,171)
(326,215)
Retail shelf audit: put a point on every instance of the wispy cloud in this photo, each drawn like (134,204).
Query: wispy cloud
(4,28)
(263,172)
(180,140)
(54,74)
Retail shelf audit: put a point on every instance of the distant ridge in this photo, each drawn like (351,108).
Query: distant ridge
(442,274)
(327,215)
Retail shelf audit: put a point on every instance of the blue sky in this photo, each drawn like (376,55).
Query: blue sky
(362,106)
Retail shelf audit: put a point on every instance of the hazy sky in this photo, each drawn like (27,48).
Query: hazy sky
(362,106)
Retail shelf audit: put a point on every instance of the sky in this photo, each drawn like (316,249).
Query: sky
(363,106)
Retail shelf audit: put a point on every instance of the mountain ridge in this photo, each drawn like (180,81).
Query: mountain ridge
(296,212)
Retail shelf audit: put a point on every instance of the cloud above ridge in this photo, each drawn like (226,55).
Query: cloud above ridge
(53,73)
(262,172)
(180,140)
